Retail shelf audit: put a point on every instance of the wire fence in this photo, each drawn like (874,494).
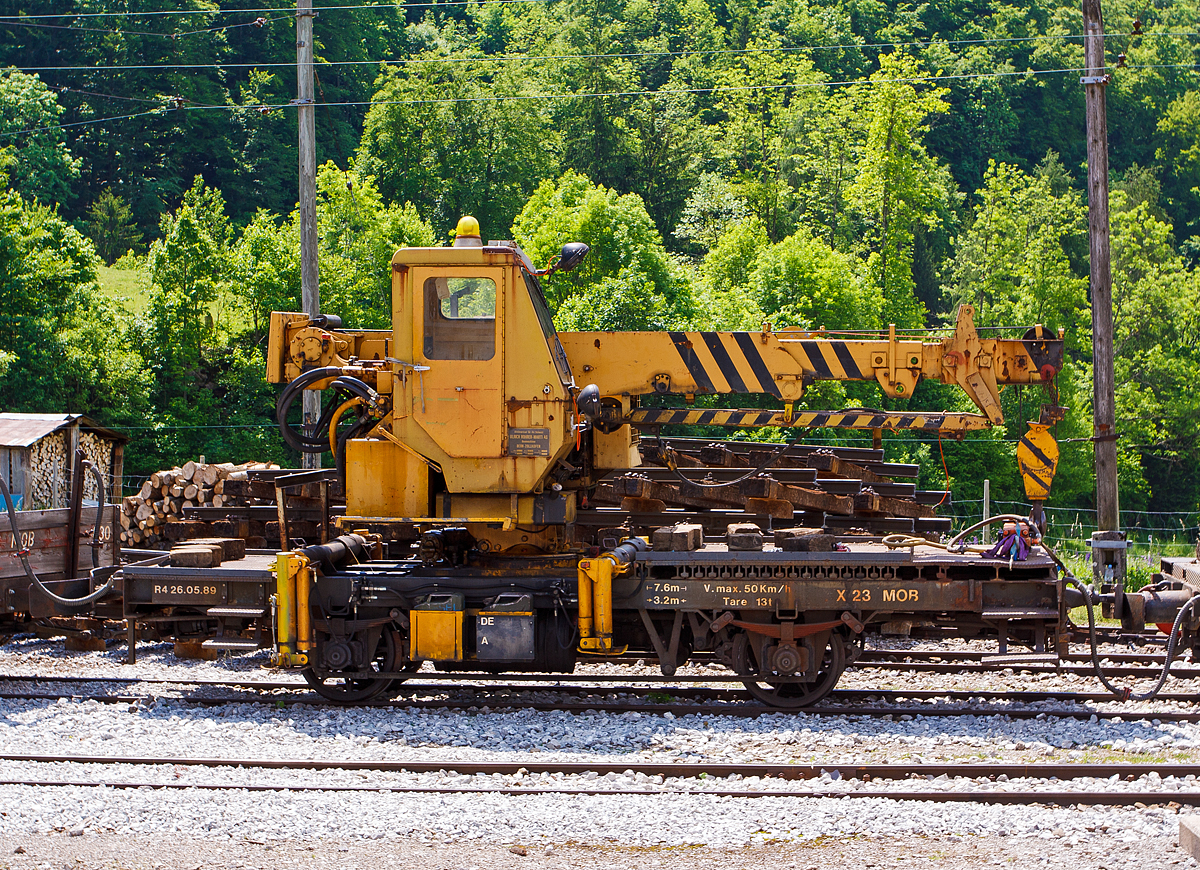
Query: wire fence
(1151,535)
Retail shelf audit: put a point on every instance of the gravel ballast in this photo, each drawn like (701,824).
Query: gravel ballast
(666,816)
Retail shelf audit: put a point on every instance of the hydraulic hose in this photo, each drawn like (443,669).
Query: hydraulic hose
(954,545)
(99,593)
(299,440)
(358,388)
(1124,694)
(767,463)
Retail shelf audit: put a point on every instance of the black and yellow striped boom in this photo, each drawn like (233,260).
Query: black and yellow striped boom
(782,363)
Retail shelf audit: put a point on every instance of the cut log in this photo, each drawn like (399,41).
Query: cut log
(144,512)
(176,491)
(188,491)
(147,488)
(189,470)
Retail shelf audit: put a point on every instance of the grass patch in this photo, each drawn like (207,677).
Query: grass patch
(129,288)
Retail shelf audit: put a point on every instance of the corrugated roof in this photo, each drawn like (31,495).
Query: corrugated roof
(22,430)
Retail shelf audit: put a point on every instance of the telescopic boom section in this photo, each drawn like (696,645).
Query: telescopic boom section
(783,363)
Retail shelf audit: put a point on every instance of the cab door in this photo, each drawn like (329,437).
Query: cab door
(459,336)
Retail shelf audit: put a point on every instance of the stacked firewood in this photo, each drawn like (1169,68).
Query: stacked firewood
(163,498)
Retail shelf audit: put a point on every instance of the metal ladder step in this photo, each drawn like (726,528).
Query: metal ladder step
(238,612)
(230,643)
(1020,613)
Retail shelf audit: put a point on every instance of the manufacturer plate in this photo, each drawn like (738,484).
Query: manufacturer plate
(528,442)
(188,593)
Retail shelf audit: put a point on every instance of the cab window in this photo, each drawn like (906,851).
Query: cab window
(460,318)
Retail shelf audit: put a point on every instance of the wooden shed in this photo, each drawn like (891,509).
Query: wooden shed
(37,457)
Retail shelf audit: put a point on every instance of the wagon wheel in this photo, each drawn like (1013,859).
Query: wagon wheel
(390,656)
(788,692)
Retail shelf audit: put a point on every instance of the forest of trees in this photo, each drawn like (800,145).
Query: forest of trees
(829,163)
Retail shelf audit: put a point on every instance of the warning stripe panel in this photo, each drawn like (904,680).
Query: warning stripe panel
(806,419)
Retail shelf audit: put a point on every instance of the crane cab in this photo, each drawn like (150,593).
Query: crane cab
(481,394)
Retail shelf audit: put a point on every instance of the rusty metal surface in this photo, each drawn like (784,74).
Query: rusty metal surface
(916,595)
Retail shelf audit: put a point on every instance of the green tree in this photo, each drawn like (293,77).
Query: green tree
(440,138)
(1179,152)
(62,346)
(1156,351)
(628,281)
(111,227)
(29,113)
(1013,263)
(711,208)
(188,267)
(803,282)
(358,235)
(757,104)
(730,264)
(898,186)
(595,127)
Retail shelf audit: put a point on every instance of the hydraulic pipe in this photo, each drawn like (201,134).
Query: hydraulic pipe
(285,594)
(304,579)
(595,593)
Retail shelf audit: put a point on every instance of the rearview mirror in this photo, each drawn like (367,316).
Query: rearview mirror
(568,258)
(572,255)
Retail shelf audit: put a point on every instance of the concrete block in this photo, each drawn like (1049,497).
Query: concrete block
(810,544)
(232,549)
(743,537)
(1189,835)
(660,539)
(782,535)
(196,556)
(680,538)
(687,537)
(192,649)
(84,642)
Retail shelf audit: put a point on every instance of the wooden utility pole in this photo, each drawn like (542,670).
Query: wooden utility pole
(310,291)
(1108,542)
(1103,401)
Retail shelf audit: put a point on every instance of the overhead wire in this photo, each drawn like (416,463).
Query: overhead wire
(561,96)
(600,56)
(394,7)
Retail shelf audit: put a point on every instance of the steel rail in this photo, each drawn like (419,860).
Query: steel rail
(685,691)
(746,710)
(1017,798)
(692,771)
(687,770)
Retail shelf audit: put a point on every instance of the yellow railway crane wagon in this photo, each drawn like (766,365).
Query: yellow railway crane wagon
(473,437)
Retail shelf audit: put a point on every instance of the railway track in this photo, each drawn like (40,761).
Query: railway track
(705,701)
(680,686)
(677,778)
